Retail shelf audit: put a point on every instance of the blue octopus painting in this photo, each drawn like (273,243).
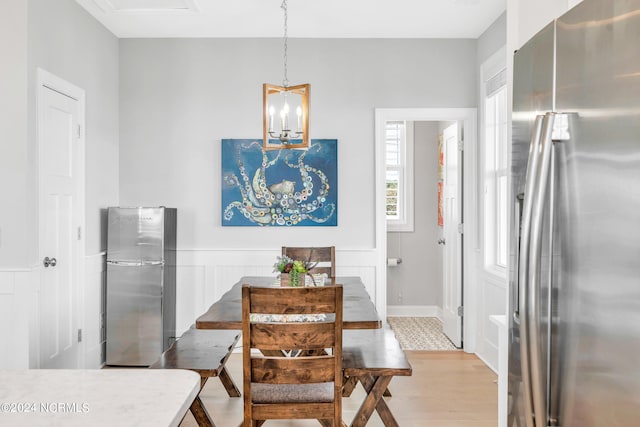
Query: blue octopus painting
(279,187)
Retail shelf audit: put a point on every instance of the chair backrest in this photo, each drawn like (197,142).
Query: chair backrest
(317,341)
(325,256)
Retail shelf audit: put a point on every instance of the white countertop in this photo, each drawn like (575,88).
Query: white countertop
(99,397)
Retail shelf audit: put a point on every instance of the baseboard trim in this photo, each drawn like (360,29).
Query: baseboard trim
(414,311)
(486,362)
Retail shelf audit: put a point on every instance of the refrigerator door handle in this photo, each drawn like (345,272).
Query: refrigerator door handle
(518,209)
(523,266)
(124,263)
(539,199)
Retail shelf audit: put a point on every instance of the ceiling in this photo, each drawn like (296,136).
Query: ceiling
(307,18)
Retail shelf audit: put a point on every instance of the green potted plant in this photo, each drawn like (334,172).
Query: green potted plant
(293,272)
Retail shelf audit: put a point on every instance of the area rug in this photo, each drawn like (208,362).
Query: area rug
(420,333)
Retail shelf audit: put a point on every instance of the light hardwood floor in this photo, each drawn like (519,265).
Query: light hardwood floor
(447,389)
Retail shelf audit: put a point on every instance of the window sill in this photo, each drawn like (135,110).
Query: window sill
(496,272)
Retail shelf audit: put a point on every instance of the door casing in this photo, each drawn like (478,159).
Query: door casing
(468,118)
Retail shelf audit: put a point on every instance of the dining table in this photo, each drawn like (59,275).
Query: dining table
(358,313)
(358,310)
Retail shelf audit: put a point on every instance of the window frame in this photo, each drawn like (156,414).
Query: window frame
(494,169)
(404,222)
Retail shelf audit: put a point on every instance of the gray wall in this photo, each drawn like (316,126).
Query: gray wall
(68,42)
(63,39)
(492,39)
(179,97)
(418,280)
(13,135)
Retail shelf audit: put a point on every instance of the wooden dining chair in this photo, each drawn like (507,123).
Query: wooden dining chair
(300,387)
(325,256)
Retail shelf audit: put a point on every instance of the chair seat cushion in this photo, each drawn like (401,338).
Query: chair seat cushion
(287,393)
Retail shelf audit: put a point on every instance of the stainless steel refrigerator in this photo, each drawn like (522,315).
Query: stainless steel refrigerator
(574,331)
(141,284)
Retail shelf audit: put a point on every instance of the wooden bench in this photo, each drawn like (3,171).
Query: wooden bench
(205,352)
(372,357)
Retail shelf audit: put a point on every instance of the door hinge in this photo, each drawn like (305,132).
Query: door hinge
(79,233)
(461,228)
(79,335)
(460,311)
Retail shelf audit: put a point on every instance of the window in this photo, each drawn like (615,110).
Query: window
(399,175)
(496,172)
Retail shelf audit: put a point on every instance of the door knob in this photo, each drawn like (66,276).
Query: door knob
(442,242)
(49,262)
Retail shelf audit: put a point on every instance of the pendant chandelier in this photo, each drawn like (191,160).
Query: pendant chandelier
(287,102)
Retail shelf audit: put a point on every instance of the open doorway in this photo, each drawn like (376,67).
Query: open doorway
(415,286)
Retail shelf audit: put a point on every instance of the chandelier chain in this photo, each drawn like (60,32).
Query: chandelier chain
(285,81)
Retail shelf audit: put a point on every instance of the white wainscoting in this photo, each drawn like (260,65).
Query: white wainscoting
(203,275)
(492,297)
(93,311)
(18,299)
(19,314)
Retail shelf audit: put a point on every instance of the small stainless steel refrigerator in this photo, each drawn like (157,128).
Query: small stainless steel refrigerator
(141,284)
(574,331)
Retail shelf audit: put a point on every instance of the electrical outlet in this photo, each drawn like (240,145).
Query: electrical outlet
(400,297)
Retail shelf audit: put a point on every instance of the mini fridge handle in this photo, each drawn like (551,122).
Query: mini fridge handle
(134,263)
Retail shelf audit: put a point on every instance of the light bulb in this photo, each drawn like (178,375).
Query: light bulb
(271,113)
(285,116)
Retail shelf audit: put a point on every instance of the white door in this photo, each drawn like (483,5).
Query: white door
(452,270)
(60,171)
